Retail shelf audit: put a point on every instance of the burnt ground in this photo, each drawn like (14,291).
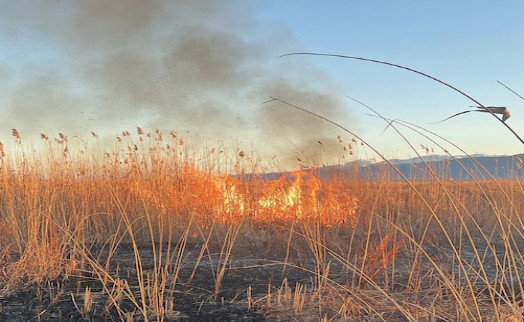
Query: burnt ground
(194,298)
(195,301)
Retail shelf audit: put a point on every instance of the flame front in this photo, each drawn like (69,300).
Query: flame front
(299,195)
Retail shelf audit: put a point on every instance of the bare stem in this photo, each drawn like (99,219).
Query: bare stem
(414,71)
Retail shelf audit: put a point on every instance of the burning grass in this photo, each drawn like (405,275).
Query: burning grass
(154,231)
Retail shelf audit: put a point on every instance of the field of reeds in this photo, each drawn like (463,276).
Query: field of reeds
(156,231)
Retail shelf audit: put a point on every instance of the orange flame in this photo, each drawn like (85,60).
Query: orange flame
(299,195)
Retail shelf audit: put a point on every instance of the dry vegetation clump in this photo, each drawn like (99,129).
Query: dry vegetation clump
(154,231)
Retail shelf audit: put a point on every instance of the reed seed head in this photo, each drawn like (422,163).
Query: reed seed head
(519,163)
(16,134)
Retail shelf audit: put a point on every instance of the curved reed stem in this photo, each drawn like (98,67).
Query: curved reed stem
(414,71)
(509,89)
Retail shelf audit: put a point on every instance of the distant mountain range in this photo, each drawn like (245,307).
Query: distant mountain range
(476,167)
(457,168)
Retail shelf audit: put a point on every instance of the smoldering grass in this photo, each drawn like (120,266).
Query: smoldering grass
(502,218)
(434,216)
(168,206)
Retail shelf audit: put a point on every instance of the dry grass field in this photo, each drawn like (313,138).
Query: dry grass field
(154,231)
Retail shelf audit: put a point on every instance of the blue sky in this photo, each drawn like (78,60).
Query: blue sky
(469,44)
(207,67)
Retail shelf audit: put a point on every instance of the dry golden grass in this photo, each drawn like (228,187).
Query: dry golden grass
(374,250)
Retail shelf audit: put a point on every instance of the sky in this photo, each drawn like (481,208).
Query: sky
(205,68)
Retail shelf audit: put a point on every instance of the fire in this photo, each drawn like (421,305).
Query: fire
(292,191)
(298,195)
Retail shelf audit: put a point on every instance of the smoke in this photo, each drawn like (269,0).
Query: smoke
(204,66)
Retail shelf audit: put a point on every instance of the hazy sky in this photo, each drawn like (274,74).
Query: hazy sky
(208,66)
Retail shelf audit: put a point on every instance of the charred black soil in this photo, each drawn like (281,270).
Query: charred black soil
(194,296)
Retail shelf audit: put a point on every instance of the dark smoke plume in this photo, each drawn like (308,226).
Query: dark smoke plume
(204,66)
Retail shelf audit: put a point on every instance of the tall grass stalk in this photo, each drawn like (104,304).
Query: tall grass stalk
(342,246)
